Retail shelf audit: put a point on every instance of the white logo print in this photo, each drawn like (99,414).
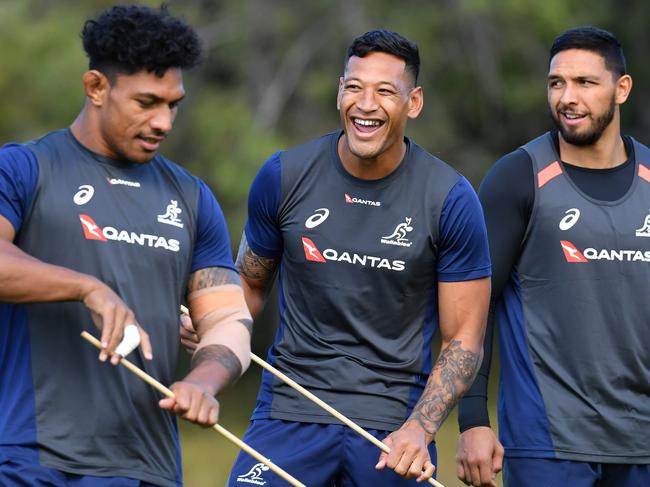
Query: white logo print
(254,475)
(124,182)
(84,195)
(171,215)
(319,216)
(398,237)
(644,231)
(570,219)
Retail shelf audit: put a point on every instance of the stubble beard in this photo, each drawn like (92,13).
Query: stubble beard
(590,137)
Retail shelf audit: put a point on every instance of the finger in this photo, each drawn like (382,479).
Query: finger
(187,324)
(427,472)
(189,345)
(167,403)
(130,341)
(468,472)
(107,320)
(414,468)
(193,410)
(120,318)
(460,470)
(497,459)
(145,343)
(383,456)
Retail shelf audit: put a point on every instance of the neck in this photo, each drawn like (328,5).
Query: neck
(607,152)
(372,168)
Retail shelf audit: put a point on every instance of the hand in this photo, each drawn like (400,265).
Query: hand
(409,456)
(479,457)
(111,315)
(192,402)
(189,338)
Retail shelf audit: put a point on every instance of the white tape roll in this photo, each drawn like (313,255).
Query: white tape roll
(130,341)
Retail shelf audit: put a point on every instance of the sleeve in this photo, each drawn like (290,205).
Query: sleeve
(18,180)
(212,247)
(463,247)
(507,208)
(262,228)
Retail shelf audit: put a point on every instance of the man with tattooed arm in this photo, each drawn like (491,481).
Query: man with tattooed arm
(377,245)
(96,227)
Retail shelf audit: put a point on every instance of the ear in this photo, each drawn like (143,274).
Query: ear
(416,102)
(623,88)
(339,94)
(96,86)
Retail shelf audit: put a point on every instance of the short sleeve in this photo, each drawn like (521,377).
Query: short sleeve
(18,180)
(212,248)
(463,245)
(262,229)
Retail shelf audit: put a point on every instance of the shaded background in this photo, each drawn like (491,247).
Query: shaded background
(269,81)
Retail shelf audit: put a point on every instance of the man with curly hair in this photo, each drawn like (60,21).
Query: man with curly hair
(95,226)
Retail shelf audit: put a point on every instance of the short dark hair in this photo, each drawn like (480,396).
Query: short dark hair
(390,43)
(127,39)
(596,40)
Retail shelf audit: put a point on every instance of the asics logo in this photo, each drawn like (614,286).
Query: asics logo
(319,216)
(254,475)
(84,195)
(570,219)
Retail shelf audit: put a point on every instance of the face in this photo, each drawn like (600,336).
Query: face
(376,97)
(583,95)
(137,112)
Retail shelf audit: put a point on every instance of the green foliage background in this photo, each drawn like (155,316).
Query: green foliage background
(269,81)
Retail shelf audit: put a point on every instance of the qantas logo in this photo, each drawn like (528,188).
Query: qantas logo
(92,231)
(351,200)
(312,254)
(572,254)
(123,182)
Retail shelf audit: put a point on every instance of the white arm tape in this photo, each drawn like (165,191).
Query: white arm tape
(130,341)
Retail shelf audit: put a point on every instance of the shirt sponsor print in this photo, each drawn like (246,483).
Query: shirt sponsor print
(572,254)
(319,216)
(84,195)
(398,237)
(352,200)
(92,231)
(313,254)
(170,217)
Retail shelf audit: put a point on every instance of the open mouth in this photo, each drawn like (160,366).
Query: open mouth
(150,143)
(572,118)
(366,125)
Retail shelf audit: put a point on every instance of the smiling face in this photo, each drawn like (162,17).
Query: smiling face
(376,97)
(583,96)
(136,112)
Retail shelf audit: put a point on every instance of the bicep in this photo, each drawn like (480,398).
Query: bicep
(256,271)
(7,231)
(463,307)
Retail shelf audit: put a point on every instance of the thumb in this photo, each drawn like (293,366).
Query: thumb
(167,403)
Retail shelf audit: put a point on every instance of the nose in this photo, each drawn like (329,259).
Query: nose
(569,95)
(367,102)
(163,119)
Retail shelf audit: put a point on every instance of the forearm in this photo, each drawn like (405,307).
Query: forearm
(24,279)
(451,376)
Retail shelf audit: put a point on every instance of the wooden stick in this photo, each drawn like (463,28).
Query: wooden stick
(343,419)
(169,393)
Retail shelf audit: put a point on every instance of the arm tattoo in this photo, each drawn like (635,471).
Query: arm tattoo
(252,266)
(452,374)
(220,354)
(212,276)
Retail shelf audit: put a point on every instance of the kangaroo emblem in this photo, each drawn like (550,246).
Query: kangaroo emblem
(399,234)
(644,231)
(254,475)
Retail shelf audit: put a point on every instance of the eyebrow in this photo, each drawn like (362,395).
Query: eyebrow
(156,98)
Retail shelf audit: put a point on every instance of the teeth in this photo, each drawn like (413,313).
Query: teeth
(367,123)
(572,116)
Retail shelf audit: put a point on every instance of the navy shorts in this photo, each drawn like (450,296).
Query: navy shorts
(544,472)
(318,455)
(23,470)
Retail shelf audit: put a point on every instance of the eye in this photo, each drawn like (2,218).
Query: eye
(145,103)
(352,87)
(554,83)
(386,91)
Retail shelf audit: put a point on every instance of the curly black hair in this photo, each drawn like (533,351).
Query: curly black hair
(129,38)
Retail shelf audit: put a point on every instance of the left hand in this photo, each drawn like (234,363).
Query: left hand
(193,403)
(409,455)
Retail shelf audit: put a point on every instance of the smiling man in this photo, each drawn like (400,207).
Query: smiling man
(378,245)
(96,226)
(567,217)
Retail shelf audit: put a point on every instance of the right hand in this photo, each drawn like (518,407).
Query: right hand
(479,457)
(111,315)
(189,338)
